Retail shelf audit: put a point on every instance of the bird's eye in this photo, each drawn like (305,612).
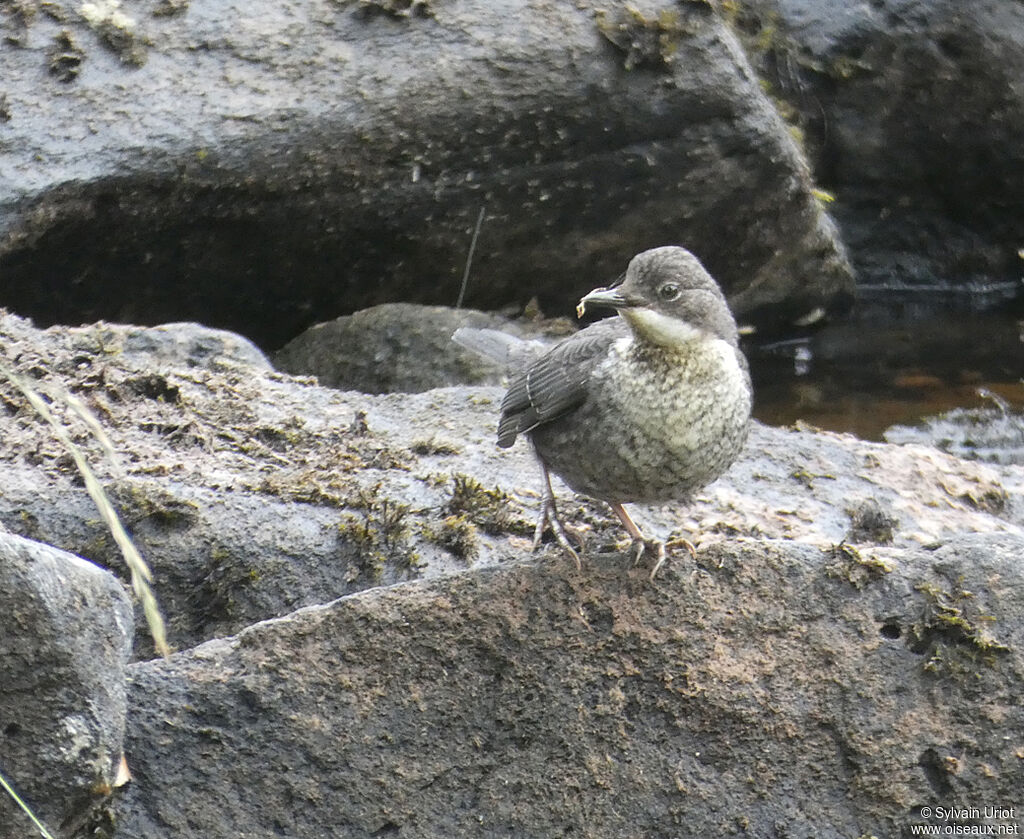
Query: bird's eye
(669,292)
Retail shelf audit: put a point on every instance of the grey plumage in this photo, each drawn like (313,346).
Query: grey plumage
(648,406)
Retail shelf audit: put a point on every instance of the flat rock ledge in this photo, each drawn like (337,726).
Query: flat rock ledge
(767,688)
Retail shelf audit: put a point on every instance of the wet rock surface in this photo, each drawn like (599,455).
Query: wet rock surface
(266,167)
(65,639)
(990,434)
(909,112)
(802,641)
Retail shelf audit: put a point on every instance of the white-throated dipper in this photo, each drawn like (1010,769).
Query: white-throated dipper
(647,407)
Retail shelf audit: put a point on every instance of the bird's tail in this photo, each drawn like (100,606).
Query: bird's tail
(506,350)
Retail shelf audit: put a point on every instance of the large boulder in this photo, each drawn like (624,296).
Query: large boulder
(264,166)
(911,113)
(767,688)
(65,637)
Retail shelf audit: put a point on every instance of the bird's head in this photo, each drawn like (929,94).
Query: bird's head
(668,299)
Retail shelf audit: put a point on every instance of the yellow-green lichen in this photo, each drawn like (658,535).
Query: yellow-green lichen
(434,446)
(379,535)
(951,632)
(65,57)
(647,42)
(854,567)
(116,30)
(457,535)
(169,8)
(489,509)
(807,478)
(307,487)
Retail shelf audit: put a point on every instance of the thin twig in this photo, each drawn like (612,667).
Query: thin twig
(469,257)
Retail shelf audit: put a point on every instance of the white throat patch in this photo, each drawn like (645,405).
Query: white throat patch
(661,329)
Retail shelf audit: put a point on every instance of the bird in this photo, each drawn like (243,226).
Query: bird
(648,406)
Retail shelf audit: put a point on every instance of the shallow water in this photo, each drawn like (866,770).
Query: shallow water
(892,365)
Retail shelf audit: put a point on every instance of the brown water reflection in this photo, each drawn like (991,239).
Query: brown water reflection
(861,378)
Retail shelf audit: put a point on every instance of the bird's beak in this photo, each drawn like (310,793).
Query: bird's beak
(612,298)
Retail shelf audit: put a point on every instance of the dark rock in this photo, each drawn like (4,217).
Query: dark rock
(267,167)
(911,117)
(750,689)
(65,639)
(186,345)
(401,347)
(181,345)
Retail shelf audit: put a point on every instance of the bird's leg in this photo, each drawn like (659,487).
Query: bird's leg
(549,513)
(640,544)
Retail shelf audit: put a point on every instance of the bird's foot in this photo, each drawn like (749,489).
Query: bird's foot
(655,547)
(680,542)
(641,547)
(549,515)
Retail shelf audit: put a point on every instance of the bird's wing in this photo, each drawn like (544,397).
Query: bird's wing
(555,383)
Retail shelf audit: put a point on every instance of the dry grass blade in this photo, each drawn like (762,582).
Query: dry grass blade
(42,827)
(141,576)
(89,418)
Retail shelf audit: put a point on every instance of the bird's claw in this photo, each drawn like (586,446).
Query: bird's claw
(653,546)
(680,542)
(659,550)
